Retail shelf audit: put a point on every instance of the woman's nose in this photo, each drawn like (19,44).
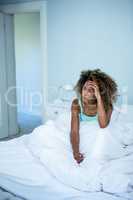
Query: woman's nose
(90,90)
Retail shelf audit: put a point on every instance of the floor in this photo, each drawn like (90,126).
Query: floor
(28,122)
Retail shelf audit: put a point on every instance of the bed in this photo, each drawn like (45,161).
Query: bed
(24,176)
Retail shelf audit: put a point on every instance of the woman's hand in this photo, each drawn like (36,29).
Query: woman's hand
(93,85)
(79,157)
(103,116)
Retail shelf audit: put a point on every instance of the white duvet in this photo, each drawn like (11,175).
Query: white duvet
(108,163)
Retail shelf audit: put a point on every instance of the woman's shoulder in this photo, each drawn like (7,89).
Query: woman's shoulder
(75,105)
(75,101)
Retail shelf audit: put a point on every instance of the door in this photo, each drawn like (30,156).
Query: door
(3,82)
(8,111)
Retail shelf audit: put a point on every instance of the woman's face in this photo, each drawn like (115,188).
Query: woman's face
(88,91)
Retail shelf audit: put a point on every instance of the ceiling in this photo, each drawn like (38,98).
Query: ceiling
(14,1)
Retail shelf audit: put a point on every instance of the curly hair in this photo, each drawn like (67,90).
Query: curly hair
(107,86)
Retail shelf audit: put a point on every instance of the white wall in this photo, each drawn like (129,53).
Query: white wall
(89,34)
(28,61)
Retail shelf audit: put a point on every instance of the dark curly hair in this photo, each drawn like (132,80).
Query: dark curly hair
(107,86)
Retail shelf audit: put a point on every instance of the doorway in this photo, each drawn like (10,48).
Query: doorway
(28,71)
(31,56)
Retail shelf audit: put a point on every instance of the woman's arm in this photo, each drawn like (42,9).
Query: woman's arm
(74,135)
(103,116)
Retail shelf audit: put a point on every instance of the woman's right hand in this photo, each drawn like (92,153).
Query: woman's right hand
(79,157)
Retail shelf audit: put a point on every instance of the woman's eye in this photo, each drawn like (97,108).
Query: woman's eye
(84,88)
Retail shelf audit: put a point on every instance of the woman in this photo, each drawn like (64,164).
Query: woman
(96,93)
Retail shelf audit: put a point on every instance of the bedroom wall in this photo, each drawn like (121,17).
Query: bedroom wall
(90,34)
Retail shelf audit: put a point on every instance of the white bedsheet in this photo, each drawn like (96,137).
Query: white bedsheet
(41,165)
